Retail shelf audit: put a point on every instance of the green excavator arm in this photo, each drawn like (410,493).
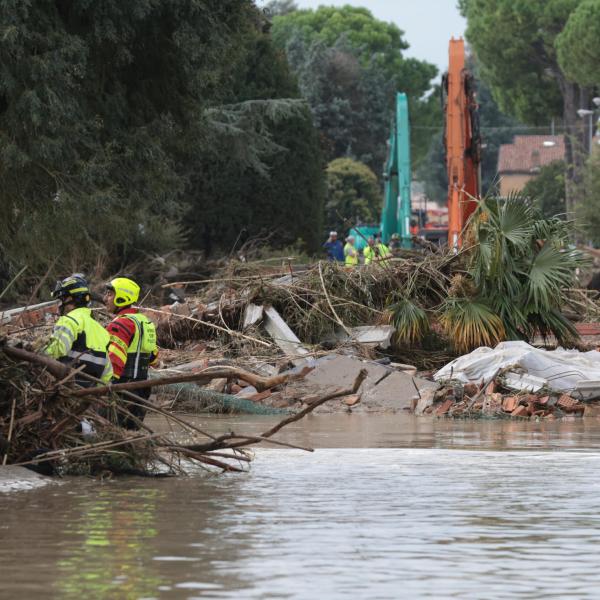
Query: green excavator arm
(396,213)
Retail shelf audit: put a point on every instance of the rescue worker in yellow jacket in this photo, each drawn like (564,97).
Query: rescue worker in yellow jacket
(350,252)
(77,339)
(132,347)
(375,251)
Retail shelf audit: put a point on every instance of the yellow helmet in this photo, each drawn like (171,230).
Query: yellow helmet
(126,291)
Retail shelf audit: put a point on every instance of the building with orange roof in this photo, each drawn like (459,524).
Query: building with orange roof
(522,160)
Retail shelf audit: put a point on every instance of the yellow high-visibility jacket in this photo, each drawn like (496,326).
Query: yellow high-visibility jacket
(351,255)
(380,251)
(79,339)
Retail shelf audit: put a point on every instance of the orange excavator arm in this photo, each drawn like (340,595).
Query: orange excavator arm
(462,143)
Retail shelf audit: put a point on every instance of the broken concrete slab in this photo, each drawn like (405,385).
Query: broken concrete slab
(338,371)
(396,391)
(283,336)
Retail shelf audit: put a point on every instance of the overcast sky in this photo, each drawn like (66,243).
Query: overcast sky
(428,25)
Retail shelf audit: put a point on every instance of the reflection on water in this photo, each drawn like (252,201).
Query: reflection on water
(430,521)
(114,529)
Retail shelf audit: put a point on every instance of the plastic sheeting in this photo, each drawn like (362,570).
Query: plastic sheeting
(562,370)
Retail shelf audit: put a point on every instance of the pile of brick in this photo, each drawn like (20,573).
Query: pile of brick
(456,400)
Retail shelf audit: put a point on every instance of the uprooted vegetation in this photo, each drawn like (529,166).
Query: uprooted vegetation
(49,422)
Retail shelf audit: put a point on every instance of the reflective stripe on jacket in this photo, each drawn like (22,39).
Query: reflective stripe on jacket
(77,339)
(132,345)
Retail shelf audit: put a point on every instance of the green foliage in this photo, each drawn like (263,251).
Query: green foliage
(514,40)
(349,67)
(578,47)
(469,324)
(410,321)
(521,265)
(548,190)
(509,282)
(263,175)
(111,113)
(588,211)
(328,23)
(353,194)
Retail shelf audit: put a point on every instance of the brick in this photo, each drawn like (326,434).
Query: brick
(491,388)
(492,403)
(592,410)
(510,403)
(260,396)
(520,411)
(588,328)
(471,389)
(568,404)
(443,408)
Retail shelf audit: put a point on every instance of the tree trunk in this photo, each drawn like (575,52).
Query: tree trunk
(574,98)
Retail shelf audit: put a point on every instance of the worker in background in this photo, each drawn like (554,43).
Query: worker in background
(132,347)
(375,252)
(414,227)
(350,252)
(334,248)
(77,339)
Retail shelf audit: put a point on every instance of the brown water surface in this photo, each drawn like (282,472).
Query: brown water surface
(386,507)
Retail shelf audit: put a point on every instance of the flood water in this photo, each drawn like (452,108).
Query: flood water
(386,507)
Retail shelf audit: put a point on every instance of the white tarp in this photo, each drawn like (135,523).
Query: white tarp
(562,370)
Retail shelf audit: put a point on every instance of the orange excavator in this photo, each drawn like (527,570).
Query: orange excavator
(462,142)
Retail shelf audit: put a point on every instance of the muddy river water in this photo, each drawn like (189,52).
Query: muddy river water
(386,507)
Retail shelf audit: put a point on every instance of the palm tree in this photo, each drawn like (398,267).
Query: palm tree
(516,269)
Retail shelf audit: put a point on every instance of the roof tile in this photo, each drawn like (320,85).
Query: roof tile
(528,153)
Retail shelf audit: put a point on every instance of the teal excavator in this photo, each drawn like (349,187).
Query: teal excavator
(396,213)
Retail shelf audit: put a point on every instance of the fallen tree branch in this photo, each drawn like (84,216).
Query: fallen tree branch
(219,443)
(362,375)
(260,383)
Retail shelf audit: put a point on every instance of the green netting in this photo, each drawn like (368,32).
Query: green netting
(191,397)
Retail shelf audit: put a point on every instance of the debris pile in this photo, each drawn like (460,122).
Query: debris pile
(494,401)
(50,423)
(517,380)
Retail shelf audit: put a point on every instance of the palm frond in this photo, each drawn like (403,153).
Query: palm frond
(470,324)
(515,220)
(553,322)
(552,270)
(410,321)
